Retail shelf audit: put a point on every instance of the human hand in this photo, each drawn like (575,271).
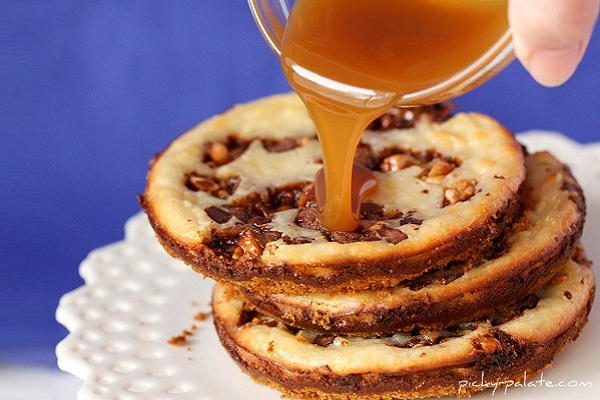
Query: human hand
(551,36)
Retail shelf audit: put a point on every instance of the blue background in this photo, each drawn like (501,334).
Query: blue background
(91,90)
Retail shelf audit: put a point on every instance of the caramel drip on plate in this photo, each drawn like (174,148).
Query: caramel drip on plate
(350,60)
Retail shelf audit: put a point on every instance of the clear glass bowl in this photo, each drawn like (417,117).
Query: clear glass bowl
(271,17)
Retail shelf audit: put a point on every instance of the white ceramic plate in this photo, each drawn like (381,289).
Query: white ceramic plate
(136,298)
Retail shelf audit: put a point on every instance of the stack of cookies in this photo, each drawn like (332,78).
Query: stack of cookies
(466,263)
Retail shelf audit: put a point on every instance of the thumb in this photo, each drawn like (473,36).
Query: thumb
(551,36)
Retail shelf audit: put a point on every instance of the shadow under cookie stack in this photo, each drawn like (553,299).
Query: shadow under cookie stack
(466,264)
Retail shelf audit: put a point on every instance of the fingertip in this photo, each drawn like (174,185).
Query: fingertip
(553,67)
(550,36)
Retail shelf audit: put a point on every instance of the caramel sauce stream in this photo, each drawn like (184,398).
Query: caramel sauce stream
(350,60)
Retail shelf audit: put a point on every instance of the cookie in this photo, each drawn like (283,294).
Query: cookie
(538,244)
(516,340)
(234,198)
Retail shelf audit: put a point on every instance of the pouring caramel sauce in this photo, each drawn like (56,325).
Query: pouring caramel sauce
(351,60)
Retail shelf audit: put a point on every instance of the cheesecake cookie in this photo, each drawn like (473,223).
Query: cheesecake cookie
(234,198)
(503,346)
(540,241)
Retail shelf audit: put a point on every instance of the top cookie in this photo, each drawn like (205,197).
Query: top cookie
(234,198)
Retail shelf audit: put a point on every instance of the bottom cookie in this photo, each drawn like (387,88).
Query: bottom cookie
(416,364)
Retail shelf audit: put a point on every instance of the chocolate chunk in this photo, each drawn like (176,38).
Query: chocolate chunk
(324,339)
(409,219)
(297,240)
(407,117)
(364,156)
(218,215)
(371,211)
(394,236)
(246,316)
(308,218)
(281,145)
(249,207)
(349,237)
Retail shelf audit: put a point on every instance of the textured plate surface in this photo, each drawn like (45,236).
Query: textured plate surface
(136,298)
